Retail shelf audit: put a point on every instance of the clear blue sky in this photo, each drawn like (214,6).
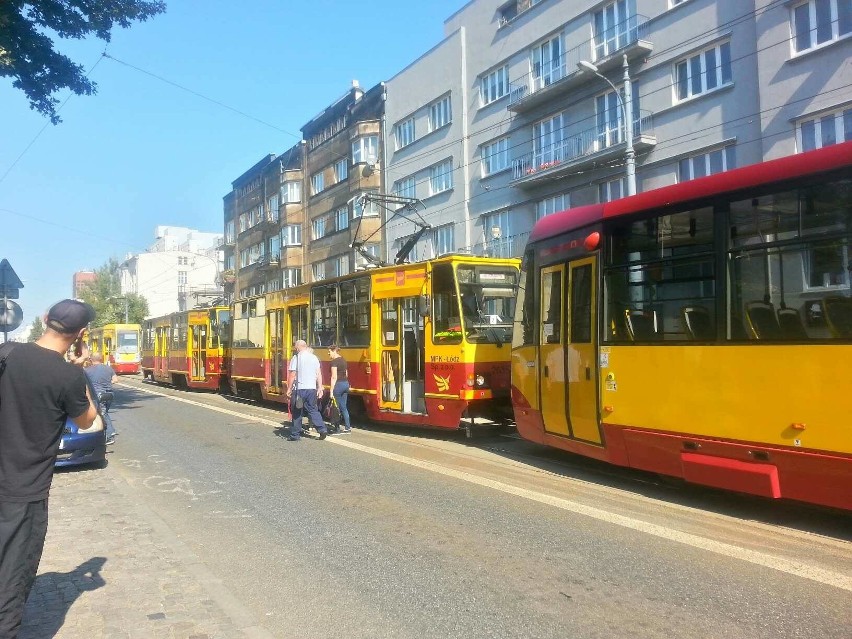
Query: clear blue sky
(142,152)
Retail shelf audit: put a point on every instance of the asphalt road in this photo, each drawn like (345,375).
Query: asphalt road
(398,533)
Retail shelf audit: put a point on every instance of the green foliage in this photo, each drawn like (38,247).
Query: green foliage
(27,53)
(104,294)
(36,331)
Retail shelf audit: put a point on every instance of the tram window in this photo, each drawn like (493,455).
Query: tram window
(790,264)
(299,323)
(390,323)
(525,315)
(241,327)
(446,317)
(355,312)
(324,315)
(551,306)
(659,268)
(581,304)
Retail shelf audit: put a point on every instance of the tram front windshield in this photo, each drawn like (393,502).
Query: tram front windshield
(487,302)
(128,342)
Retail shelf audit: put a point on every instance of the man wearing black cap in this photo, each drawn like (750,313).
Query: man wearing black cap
(38,391)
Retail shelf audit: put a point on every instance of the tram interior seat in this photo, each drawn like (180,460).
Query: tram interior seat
(791,324)
(838,315)
(698,323)
(762,321)
(641,325)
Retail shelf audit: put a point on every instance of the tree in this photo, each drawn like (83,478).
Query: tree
(104,294)
(36,331)
(27,53)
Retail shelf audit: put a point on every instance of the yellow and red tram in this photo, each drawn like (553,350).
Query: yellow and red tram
(189,348)
(701,330)
(118,344)
(427,343)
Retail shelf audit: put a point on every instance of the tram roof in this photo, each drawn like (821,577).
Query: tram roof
(799,165)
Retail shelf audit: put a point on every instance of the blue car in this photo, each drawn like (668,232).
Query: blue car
(78,447)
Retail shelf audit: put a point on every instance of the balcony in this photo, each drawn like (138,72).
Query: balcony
(581,151)
(268,262)
(554,78)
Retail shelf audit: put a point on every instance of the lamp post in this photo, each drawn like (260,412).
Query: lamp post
(626,109)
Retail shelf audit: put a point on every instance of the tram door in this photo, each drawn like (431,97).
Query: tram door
(198,342)
(277,353)
(297,328)
(581,351)
(403,356)
(162,336)
(568,339)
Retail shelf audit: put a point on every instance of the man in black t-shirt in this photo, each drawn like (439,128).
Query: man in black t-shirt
(39,390)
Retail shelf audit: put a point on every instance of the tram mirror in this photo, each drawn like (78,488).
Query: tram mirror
(423,306)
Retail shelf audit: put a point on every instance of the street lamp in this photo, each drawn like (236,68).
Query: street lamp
(626,109)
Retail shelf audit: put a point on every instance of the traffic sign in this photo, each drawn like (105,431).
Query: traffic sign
(10,283)
(11,316)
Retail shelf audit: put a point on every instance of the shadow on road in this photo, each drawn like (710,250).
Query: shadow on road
(54,593)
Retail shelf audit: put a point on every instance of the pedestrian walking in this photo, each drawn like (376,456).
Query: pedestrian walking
(102,378)
(39,390)
(340,386)
(304,388)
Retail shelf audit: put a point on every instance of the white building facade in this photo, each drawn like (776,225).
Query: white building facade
(715,85)
(178,271)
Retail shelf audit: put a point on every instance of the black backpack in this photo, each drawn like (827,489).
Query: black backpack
(5,349)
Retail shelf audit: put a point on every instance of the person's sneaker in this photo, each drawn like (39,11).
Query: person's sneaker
(293,439)
(110,440)
(323,435)
(345,431)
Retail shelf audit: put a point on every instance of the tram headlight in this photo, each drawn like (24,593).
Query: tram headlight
(480,380)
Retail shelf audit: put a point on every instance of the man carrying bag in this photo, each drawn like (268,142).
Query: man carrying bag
(304,389)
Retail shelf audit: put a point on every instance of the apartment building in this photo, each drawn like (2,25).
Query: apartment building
(343,162)
(500,124)
(264,219)
(178,271)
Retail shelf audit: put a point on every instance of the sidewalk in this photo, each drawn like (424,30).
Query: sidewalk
(112,569)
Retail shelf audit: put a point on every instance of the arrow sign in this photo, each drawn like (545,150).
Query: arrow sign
(10,283)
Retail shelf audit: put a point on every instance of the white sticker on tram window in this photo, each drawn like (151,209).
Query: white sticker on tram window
(604,360)
(548,330)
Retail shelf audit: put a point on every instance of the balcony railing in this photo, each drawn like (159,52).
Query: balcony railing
(269,261)
(552,72)
(509,246)
(576,146)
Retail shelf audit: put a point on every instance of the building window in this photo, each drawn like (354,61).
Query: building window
(444,240)
(404,133)
(229,232)
(274,284)
(292,277)
(614,27)
(230,261)
(552,205)
(495,156)
(317,183)
(372,249)
(499,235)
(341,216)
(548,136)
(272,208)
(703,71)
(441,177)
(244,258)
(181,278)
(343,265)
(275,246)
(291,192)
(320,227)
(183,261)
(440,114)
(365,149)
(414,254)
(612,190)
(291,235)
(341,170)
(824,130)
(547,63)
(610,117)
(707,164)
(819,21)
(359,209)
(405,187)
(494,85)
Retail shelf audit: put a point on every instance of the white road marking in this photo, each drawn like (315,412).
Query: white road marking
(781,564)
